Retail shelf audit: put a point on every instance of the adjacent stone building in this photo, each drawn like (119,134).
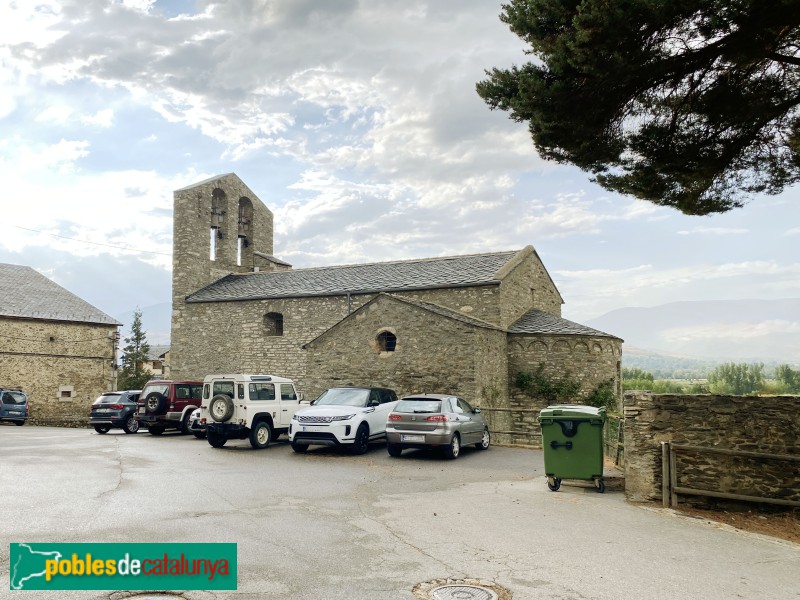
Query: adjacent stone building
(58,348)
(460,324)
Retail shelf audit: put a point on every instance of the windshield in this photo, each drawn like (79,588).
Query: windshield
(150,388)
(343,397)
(418,405)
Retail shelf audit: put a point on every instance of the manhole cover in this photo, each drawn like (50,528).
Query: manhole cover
(148,596)
(462,592)
(460,589)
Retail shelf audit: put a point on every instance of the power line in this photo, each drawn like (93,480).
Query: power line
(63,237)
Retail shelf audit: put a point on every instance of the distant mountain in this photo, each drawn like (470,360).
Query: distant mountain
(725,330)
(156,321)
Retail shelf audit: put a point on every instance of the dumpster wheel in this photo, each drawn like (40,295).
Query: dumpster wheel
(553,483)
(600,485)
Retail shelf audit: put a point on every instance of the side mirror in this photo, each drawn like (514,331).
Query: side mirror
(374,403)
(301,397)
(313,402)
(477,411)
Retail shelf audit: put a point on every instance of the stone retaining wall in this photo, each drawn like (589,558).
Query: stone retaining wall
(768,424)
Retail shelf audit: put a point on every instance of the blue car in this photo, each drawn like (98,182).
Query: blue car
(13,406)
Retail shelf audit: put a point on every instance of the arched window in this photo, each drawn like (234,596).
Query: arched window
(217,219)
(387,341)
(244,228)
(273,324)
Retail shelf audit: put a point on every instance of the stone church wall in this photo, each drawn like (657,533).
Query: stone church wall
(434,354)
(766,424)
(226,337)
(526,285)
(591,360)
(61,366)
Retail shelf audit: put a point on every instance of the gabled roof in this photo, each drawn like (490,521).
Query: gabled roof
(397,276)
(441,311)
(538,321)
(156,352)
(27,294)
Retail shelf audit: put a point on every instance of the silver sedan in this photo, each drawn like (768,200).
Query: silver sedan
(435,420)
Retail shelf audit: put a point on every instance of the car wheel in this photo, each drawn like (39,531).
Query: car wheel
(19,423)
(453,448)
(485,440)
(102,429)
(155,430)
(185,423)
(299,448)
(155,402)
(361,443)
(260,435)
(216,440)
(131,425)
(200,435)
(220,408)
(394,450)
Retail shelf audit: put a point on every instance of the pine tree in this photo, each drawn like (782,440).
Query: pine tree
(132,375)
(692,104)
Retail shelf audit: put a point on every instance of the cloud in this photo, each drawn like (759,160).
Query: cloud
(103,118)
(735,332)
(589,293)
(714,231)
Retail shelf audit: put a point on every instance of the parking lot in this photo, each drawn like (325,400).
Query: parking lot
(329,525)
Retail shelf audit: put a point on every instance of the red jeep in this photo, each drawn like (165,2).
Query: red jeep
(168,404)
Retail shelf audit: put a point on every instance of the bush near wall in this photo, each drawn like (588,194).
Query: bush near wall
(768,424)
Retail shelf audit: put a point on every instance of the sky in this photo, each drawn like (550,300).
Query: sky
(356,123)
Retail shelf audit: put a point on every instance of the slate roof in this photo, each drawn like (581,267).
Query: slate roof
(26,293)
(156,352)
(397,276)
(538,321)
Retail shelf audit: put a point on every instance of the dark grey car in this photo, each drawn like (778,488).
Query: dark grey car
(13,406)
(435,420)
(115,410)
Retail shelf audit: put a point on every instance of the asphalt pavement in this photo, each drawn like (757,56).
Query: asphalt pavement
(328,525)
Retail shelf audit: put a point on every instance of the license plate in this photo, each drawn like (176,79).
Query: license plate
(412,438)
(103,410)
(312,428)
(141,410)
(15,412)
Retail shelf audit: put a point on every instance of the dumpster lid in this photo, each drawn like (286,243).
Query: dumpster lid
(573,411)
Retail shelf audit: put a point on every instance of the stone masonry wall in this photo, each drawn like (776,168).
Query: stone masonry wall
(525,285)
(217,337)
(757,424)
(46,358)
(192,267)
(591,360)
(434,354)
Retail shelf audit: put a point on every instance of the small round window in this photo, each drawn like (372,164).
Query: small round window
(387,341)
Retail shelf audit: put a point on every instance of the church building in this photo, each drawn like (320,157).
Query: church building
(465,325)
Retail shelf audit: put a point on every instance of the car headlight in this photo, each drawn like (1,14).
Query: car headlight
(294,418)
(343,418)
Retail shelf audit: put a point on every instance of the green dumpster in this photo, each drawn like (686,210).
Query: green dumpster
(572,439)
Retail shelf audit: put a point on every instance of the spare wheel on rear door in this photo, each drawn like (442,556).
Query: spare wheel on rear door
(155,402)
(220,408)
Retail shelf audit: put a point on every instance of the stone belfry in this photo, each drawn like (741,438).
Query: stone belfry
(219,227)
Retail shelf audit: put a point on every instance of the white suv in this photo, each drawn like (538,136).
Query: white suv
(351,416)
(254,407)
